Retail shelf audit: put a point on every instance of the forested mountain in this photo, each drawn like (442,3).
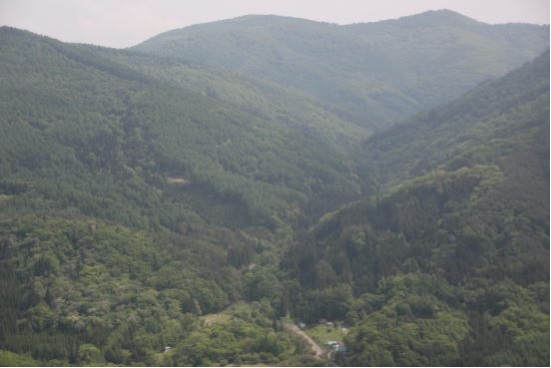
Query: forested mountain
(269,100)
(182,202)
(128,201)
(480,127)
(450,266)
(371,74)
(157,129)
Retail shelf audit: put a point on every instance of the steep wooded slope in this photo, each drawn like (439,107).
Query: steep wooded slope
(70,101)
(451,266)
(371,74)
(271,101)
(497,118)
(130,206)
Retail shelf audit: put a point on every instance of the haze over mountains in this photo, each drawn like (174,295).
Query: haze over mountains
(205,187)
(371,74)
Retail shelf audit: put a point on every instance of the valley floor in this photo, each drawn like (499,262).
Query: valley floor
(316,349)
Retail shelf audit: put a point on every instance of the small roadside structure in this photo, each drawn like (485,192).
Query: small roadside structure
(337,346)
(178,180)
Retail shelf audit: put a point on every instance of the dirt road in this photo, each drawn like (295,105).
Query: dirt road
(318,351)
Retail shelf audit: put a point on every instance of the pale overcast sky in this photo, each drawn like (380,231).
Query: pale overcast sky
(124,23)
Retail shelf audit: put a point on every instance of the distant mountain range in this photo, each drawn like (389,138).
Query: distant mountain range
(371,74)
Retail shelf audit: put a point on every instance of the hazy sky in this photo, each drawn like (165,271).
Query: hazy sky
(123,23)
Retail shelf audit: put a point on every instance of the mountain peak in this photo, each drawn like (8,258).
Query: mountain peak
(439,17)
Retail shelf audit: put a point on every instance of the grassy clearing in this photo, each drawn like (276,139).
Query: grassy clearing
(323,333)
(226,314)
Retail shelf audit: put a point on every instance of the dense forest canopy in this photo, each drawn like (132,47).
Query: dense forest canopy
(186,201)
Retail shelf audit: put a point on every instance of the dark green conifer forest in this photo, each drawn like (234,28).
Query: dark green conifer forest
(189,200)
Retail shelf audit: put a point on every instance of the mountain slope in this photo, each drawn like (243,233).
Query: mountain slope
(477,128)
(450,267)
(130,206)
(109,117)
(259,97)
(371,74)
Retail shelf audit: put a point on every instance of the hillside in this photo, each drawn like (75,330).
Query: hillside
(127,124)
(451,266)
(371,74)
(272,102)
(164,210)
(130,206)
(477,128)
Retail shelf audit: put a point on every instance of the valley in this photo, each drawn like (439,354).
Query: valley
(192,200)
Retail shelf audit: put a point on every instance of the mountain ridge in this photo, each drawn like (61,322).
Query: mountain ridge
(371,74)
(446,15)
